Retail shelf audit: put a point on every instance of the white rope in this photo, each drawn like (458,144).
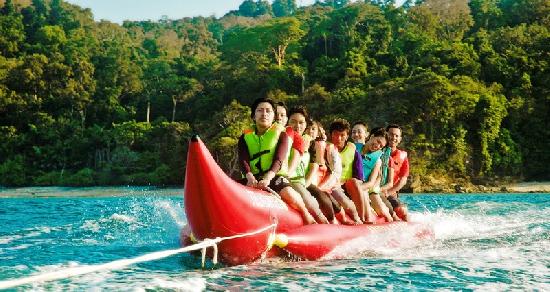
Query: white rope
(273,193)
(71,272)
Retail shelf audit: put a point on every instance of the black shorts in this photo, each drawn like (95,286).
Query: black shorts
(343,187)
(394,201)
(278,183)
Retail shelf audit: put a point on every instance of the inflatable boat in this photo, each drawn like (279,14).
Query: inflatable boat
(216,206)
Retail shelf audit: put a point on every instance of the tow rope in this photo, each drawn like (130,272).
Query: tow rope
(118,264)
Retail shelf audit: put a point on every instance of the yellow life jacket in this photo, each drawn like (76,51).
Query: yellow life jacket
(299,174)
(347,155)
(262,148)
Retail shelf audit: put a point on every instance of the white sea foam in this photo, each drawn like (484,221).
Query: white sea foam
(91,225)
(96,225)
(123,218)
(20,267)
(9,238)
(89,241)
(167,206)
(93,280)
(457,225)
(190,284)
(19,247)
(382,242)
(29,232)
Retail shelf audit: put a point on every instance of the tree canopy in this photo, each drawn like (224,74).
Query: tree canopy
(85,102)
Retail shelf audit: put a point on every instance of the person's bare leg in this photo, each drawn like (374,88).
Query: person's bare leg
(310,202)
(324,201)
(399,209)
(370,213)
(294,200)
(402,212)
(355,193)
(379,206)
(346,203)
(389,206)
(354,188)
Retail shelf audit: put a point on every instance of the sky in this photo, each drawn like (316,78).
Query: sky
(120,10)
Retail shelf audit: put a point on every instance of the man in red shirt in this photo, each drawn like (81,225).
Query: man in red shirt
(400,166)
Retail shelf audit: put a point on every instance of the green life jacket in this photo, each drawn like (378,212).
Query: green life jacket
(359,147)
(386,154)
(369,161)
(262,149)
(347,155)
(299,175)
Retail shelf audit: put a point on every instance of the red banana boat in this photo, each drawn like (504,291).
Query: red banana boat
(217,206)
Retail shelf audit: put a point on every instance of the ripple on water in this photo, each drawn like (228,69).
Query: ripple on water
(482,243)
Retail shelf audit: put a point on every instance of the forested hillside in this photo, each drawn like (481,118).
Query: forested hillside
(97,103)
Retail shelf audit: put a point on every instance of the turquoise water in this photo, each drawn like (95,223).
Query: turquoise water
(483,242)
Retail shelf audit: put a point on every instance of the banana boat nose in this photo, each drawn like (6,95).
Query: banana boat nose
(218,206)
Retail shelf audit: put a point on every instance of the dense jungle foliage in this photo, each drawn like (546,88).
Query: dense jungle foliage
(96,103)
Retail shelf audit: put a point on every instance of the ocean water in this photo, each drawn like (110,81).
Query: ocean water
(488,242)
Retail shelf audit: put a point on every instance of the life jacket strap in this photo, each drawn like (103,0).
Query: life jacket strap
(257,155)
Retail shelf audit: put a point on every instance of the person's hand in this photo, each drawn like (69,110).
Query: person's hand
(322,134)
(262,184)
(251,180)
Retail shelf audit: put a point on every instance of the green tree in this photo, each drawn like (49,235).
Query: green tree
(274,36)
(334,3)
(279,34)
(248,8)
(223,133)
(12,34)
(486,14)
(180,89)
(516,12)
(118,77)
(155,74)
(8,8)
(490,111)
(284,7)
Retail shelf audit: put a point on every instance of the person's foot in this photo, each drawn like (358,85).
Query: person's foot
(357,220)
(395,217)
(347,221)
(309,219)
(401,212)
(322,219)
(370,218)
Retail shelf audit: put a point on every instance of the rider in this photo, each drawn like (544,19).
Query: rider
(263,152)
(359,132)
(324,173)
(296,140)
(298,120)
(352,169)
(372,164)
(398,164)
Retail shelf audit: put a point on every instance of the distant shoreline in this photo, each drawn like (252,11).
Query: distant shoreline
(89,192)
(529,187)
(123,191)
